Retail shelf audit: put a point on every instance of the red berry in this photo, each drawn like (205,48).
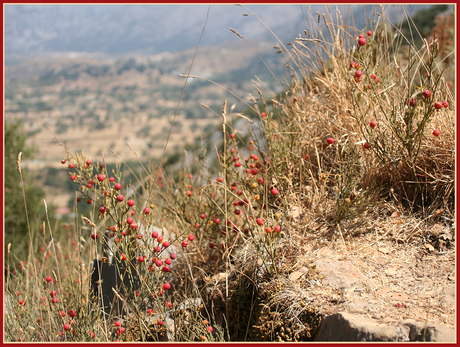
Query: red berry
(259,221)
(100,177)
(191,237)
(94,236)
(369,33)
(146,210)
(202,216)
(92,334)
(118,186)
(48,279)
(438,105)
(263,114)
(445,104)
(165,269)
(102,209)
(232,136)
(71,166)
(120,198)
(160,239)
(54,300)
(275,191)
(123,257)
(63,161)
(166,286)
(172,256)
(277,228)
(66,327)
(237,164)
(160,322)
(189,193)
(134,226)
(72,313)
(426,93)
(219,179)
(210,329)
(412,102)
(155,234)
(112,179)
(361,36)
(158,262)
(166,244)
(129,220)
(373,124)
(436,132)
(89,201)
(140,259)
(62,313)
(268,229)
(88,162)
(117,323)
(330,140)
(184,244)
(361,41)
(211,245)
(358,73)
(168,261)
(21,302)
(373,76)
(130,203)
(73,177)
(366,145)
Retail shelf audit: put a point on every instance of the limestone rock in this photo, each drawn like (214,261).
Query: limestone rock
(344,326)
(341,273)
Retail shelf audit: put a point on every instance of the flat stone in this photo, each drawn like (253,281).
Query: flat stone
(420,331)
(341,273)
(362,306)
(449,295)
(344,326)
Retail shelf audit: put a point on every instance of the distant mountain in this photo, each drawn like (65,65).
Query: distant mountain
(151,29)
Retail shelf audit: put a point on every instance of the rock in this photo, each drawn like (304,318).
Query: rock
(344,326)
(420,331)
(340,273)
(190,303)
(362,307)
(449,295)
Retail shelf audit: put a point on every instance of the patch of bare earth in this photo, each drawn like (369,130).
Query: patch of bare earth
(388,275)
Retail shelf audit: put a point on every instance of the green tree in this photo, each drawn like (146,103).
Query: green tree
(423,22)
(16,230)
